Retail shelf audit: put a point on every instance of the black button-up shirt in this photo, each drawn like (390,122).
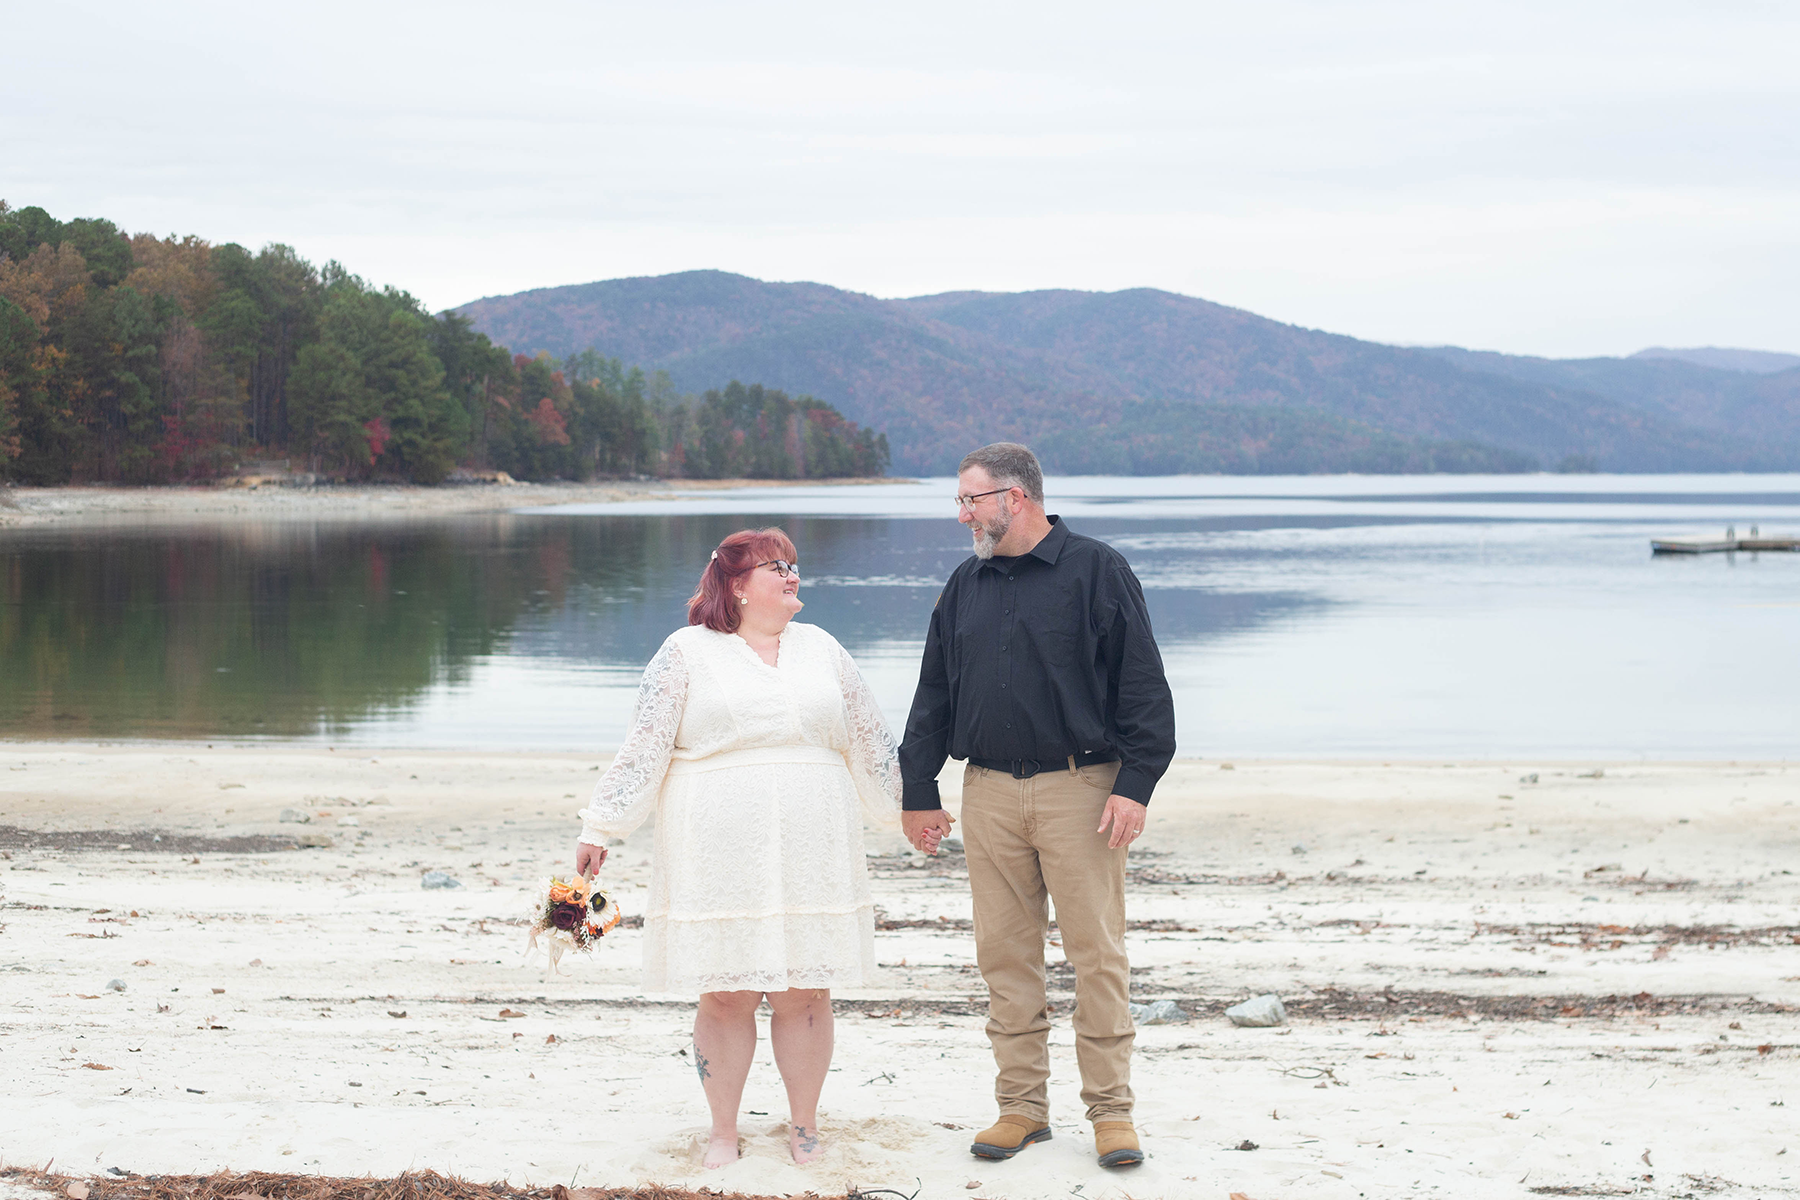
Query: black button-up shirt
(1039,657)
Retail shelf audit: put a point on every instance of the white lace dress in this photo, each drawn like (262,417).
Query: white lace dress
(760,778)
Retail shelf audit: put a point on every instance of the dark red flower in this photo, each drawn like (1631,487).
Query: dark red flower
(567,916)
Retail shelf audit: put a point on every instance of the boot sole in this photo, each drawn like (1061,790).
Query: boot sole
(989,1150)
(1122,1158)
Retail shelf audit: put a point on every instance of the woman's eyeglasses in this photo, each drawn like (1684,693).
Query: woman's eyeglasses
(782,566)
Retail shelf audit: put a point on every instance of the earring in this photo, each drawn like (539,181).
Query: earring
(743,599)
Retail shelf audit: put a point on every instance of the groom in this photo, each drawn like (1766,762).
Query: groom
(1040,670)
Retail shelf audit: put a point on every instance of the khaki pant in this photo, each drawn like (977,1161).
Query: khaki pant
(1028,839)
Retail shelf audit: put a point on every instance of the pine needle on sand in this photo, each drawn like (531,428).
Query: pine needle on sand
(413,1185)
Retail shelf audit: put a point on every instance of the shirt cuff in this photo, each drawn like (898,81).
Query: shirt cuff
(920,797)
(1134,785)
(593,832)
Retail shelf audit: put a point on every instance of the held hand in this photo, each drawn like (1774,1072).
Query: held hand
(1127,817)
(926,827)
(588,859)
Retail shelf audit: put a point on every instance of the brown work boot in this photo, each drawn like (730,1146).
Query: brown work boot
(1009,1135)
(1117,1144)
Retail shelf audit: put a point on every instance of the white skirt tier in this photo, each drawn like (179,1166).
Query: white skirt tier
(759,882)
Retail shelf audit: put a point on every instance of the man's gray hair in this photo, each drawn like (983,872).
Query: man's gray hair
(1009,465)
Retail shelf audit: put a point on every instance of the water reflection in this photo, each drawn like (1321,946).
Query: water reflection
(274,629)
(1295,620)
(300,630)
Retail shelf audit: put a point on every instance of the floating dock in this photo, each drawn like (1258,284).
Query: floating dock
(1730,542)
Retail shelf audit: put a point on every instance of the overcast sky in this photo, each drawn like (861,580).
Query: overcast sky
(1564,179)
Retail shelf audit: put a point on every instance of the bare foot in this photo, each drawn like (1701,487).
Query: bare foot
(803,1143)
(721,1151)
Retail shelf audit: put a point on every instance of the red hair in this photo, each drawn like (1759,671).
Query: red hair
(712,603)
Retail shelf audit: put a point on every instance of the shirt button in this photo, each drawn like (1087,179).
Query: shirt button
(1009,724)
(1003,687)
(1009,576)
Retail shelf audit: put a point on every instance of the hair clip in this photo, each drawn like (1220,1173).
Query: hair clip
(715,554)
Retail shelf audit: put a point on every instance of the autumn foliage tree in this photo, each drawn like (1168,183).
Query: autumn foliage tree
(142,359)
(750,430)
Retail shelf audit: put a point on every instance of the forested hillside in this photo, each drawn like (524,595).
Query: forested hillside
(1729,402)
(1147,381)
(1753,362)
(137,359)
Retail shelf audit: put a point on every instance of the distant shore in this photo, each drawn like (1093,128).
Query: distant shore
(227,502)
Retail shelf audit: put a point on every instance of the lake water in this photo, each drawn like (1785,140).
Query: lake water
(1407,617)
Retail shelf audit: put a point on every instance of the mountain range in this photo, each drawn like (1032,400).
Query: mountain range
(1145,381)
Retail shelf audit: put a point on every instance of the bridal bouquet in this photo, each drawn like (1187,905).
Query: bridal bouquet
(573,914)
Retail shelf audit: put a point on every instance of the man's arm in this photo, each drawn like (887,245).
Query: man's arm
(926,745)
(1143,725)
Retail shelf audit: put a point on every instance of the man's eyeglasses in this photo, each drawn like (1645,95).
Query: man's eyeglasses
(969,501)
(782,566)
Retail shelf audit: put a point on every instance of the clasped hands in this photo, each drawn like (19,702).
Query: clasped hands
(926,827)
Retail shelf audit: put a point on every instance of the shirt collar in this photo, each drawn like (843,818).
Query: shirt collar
(1049,547)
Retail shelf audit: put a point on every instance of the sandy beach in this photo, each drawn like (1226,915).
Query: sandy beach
(1586,984)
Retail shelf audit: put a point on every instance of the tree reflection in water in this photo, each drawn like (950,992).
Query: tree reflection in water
(293,629)
(303,629)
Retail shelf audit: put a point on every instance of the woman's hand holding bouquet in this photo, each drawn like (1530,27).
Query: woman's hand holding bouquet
(573,914)
(589,859)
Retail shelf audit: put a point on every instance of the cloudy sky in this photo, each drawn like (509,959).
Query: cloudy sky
(1563,179)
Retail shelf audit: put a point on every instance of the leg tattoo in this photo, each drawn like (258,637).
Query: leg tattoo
(808,1138)
(700,1065)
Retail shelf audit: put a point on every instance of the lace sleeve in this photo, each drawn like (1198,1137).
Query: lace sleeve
(626,794)
(873,763)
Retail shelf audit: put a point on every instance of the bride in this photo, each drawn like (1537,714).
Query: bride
(760,749)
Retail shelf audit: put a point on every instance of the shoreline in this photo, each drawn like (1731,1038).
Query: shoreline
(104,504)
(1196,762)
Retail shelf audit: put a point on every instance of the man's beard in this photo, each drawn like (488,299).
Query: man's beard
(992,531)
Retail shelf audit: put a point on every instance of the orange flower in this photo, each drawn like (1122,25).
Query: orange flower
(560,892)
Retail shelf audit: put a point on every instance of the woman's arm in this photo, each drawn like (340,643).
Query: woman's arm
(626,794)
(874,767)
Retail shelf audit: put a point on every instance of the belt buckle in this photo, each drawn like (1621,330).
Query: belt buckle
(1019,771)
